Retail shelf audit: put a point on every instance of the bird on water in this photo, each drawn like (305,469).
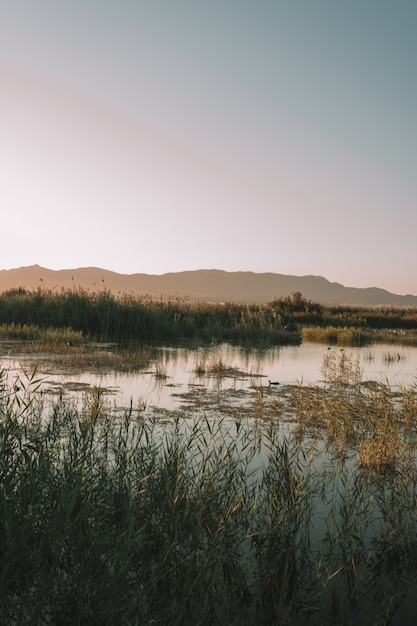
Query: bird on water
(273,383)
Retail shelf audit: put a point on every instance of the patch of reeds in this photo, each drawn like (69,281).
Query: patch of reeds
(200,366)
(368,419)
(102,316)
(217,366)
(335,335)
(49,337)
(356,336)
(136,521)
(395,336)
(214,365)
(105,317)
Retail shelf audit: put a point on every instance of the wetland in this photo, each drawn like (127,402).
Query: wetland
(147,480)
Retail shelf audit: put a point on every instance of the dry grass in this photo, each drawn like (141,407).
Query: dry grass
(377,423)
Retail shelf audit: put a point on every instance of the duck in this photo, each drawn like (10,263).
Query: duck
(273,383)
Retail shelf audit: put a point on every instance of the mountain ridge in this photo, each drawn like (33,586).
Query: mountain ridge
(204,285)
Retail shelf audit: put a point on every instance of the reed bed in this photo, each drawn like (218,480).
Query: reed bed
(367,419)
(78,316)
(101,316)
(333,335)
(353,336)
(205,521)
(48,337)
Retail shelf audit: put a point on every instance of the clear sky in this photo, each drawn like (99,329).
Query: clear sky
(166,135)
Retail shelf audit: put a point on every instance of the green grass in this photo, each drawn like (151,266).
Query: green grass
(138,521)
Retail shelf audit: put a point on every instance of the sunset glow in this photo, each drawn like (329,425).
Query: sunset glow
(164,136)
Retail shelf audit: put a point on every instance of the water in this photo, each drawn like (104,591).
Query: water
(170,383)
(171,380)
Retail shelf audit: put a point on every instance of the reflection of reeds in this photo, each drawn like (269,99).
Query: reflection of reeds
(200,367)
(216,366)
(91,358)
(213,366)
(367,418)
(106,519)
(160,370)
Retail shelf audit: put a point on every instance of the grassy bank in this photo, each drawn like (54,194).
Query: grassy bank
(134,521)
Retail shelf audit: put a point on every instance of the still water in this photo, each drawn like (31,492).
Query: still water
(172,376)
(171,382)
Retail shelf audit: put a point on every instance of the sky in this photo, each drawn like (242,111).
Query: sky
(156,136)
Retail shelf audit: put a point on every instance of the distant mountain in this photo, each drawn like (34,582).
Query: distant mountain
(202,285)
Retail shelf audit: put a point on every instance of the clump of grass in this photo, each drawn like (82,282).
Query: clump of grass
(259,398)
(94,403)
(45,337)
(216,366)
(367,419)
(335,335)
(200,366)
(213,366)
(341,368)
(396,336)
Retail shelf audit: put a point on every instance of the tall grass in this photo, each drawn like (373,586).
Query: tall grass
(353,336)
(125,318)
(370,420)
(343,336)
(81,315)
(50,336)
(374,318)
(135,521)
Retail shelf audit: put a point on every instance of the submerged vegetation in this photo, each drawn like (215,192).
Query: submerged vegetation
(133,520)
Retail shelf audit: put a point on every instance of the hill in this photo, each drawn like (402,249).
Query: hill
(203,286)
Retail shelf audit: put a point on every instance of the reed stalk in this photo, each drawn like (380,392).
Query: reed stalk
(109,520)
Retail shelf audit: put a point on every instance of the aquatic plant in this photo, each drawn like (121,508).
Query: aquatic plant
(207,521)
(371,420)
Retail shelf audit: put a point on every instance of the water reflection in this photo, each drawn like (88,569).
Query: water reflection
(178,373)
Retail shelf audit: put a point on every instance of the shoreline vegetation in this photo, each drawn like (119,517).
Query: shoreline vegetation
(303,511)
(211,521)
(75,317)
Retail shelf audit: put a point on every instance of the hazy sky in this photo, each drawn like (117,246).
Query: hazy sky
(167,135)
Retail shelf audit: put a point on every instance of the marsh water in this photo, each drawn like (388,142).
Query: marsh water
(225,381)
(208,378)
